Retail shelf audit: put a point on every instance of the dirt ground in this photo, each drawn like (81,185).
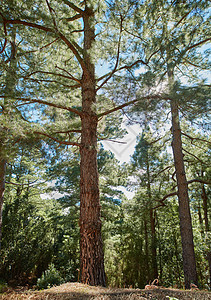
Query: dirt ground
(82,292)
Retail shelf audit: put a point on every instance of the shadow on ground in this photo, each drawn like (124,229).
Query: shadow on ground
(73,291)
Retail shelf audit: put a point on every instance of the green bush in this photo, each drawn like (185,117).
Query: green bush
(3,286)
(49,278)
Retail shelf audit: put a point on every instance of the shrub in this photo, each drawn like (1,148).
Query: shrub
(3,286)
(49,278)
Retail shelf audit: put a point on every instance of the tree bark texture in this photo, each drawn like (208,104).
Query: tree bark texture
(152,214)
(207,227)
(2,188)
(154,246)
(91,245)
(189,262)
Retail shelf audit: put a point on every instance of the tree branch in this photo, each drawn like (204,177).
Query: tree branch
(198,44)
(125,67)
(195,180)
(45,46)
(130,103)
(51,13)
(55,74)
(70,75)
(167,168)
(199,180)
(47,29)
(164,198)
(117,59)
(78,16)
(69,131)
(5,40)
(193,138)
(111,140)
(56,140)
(21,184)
(74,7)
(183,17)
(75,111)
(193,155)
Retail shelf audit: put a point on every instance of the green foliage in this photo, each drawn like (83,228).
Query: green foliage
(3,286)
(49,278)
(141,234)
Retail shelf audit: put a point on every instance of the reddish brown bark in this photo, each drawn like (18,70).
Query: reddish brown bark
(189,262)
(152,213)
(154,247)
(91,246)
(206,221)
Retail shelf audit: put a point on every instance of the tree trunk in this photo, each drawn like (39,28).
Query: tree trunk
(154,273)
(207,228)
(189,262)
(2,188)
(154,247)
(91,246)
(146,249)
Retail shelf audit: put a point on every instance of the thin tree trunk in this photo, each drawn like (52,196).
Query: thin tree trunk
(91,246)
(153,246)
(2,188)
(152,224)
(146,249)
(189,262)
(207,228)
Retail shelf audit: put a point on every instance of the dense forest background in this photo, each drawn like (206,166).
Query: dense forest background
(146,63)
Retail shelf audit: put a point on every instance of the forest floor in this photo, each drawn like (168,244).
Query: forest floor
(84,292)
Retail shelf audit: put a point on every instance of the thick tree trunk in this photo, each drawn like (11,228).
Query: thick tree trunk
(2,188)
(189,262)
(91,246)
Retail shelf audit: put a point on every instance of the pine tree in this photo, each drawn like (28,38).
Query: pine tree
(179,29)
(69,30)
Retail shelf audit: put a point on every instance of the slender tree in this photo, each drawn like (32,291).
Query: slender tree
(178,31)
(2,187)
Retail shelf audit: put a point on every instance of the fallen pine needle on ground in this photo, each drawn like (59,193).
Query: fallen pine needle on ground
(80,291)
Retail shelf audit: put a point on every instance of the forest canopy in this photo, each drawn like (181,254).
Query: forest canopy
(72,74)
